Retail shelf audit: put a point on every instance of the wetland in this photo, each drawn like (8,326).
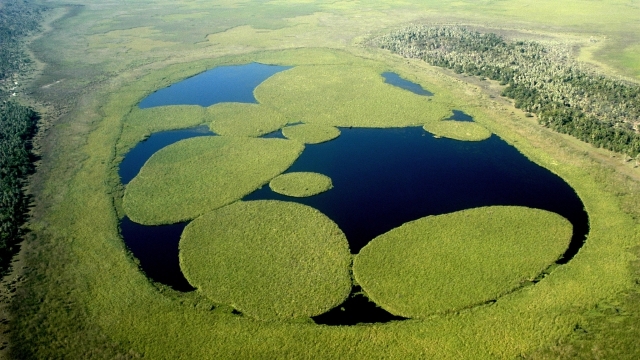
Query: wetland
(381,179)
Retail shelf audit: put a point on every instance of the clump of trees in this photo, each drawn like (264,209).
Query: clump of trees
(18,18)
(542,79)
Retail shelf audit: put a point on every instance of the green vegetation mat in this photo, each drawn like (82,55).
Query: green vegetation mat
(194,176)
(301,184)
(310,133)
(268,259)
(140,123)
(458,130)
(346,96)
(238,119)
(450,262)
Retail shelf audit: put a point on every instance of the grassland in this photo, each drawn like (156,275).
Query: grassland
(450,262)
(268,259)
(311,134)
(458,130)
(301,184)
(86,298)
(194,176)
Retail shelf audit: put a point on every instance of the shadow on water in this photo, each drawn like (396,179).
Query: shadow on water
(382,178)
(395,80)
(357,309)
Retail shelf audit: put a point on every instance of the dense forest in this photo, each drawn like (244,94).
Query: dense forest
(18,19)
(566,95)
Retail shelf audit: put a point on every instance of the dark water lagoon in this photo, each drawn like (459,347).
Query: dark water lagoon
(233,83)
(395,80)
(382,178)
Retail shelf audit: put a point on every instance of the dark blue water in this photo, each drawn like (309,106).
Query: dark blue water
(383,178)
(221,84)
(395,80)
(156,248)
(136,157)
(460,116)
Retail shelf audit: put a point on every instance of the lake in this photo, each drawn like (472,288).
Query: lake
(382,178)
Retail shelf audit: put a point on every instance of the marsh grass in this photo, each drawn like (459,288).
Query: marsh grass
(140,123)
(268,259)
(450,262)
(191,177)
(301,184)
(458,130)
(310,133)
(238,119)
(346,96)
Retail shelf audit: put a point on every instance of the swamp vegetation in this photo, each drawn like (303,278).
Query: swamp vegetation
(86,297)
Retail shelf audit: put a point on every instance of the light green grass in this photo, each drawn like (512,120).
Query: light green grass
(450,262)
(346,96)
(194,176)
(458,130)
(301,184)
(310,133)
(238,119)
(268,259)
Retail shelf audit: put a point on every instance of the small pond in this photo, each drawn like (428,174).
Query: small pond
(382,178)
(395,80)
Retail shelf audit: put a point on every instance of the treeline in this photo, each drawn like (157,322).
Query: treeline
(542,79)
(17,126)
(18,19)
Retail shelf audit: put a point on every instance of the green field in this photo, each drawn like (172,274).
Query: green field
(85,296)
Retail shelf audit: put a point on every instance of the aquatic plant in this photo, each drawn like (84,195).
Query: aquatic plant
(268,259)
(240,119)
(346,96)
(310,133)
(195,176)
(453,261)
(301,184)
(458,130)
